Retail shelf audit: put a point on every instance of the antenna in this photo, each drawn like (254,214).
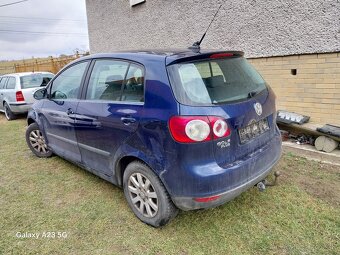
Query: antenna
(196,45)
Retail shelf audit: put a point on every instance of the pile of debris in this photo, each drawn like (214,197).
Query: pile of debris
(325,138)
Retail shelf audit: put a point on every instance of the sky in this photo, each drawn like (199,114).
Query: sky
(41,28)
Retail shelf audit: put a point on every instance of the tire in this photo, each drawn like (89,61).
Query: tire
(8,113)
(151,203)
(37,142)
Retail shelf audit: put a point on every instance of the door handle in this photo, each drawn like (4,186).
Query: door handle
(127,120)
(69,111)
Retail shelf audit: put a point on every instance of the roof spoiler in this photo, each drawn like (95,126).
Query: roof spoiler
(208,56)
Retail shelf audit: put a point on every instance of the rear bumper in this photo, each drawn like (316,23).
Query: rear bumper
(20,107)
(261,164)
(188,203)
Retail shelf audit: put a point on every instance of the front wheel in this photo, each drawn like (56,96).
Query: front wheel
(37,142)
(146,195)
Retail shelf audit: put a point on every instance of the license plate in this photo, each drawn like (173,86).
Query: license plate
(253,130)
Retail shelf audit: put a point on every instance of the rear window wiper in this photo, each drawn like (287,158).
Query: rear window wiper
(253,93)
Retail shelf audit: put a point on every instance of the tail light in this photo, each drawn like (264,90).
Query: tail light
(19,96)
(219,127)
(221,55)
(187,129)
(190,129)
(197,130)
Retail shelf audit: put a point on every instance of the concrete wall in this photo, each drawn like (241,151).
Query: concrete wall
(263,29)
(260,28)
(313,91)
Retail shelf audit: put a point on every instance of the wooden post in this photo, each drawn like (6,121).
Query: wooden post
(323,143)
(53,65)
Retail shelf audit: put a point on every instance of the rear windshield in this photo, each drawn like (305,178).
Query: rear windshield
(215,81)
(35,80)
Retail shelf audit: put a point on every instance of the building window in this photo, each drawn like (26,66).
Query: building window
(135,2)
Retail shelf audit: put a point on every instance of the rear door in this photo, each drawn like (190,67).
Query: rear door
(9,93)
(58,111)
(110,111)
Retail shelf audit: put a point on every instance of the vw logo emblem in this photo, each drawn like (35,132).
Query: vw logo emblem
(258,108)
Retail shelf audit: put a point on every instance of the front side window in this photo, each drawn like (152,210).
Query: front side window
(35,80)
(67,84)
(216,81)
(11,83)
(116,80)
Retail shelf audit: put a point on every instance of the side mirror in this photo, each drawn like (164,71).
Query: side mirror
(40,94)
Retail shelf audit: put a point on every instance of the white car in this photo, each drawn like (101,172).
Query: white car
(16,91)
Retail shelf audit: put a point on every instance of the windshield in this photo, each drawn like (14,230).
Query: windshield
(35,80)
(215,81)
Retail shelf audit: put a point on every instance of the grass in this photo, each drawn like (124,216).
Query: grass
(299,216)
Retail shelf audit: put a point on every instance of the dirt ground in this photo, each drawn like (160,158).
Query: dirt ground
(310,176)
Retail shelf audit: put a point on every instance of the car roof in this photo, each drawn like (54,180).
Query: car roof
(25,73)
(171,55)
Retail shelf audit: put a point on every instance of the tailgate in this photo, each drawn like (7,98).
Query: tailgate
(251,129)
(226,85)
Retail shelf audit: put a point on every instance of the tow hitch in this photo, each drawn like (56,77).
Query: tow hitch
(262,184)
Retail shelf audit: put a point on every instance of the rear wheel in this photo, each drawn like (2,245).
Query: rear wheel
(146,195)
(8,113)
(37,142)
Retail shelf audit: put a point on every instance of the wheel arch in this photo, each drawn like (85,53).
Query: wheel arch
(30,121)
(31,117)
(121,166)
(5,102)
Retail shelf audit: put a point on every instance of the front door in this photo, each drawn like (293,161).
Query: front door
(110,112)
(58,111)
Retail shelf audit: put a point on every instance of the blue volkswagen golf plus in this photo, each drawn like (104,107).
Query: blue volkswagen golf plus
(176,129)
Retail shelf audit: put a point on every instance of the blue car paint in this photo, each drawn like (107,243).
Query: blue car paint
(211,170)
(98,139)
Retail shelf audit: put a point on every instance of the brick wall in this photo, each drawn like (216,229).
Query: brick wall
(313,91)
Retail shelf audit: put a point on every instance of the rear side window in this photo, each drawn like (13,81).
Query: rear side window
(35,80)
(133,90)
(11,83)
(106,80)
(214,81)
(116,80)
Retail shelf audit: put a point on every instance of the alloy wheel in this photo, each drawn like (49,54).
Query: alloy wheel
(143,195)
(38,142)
